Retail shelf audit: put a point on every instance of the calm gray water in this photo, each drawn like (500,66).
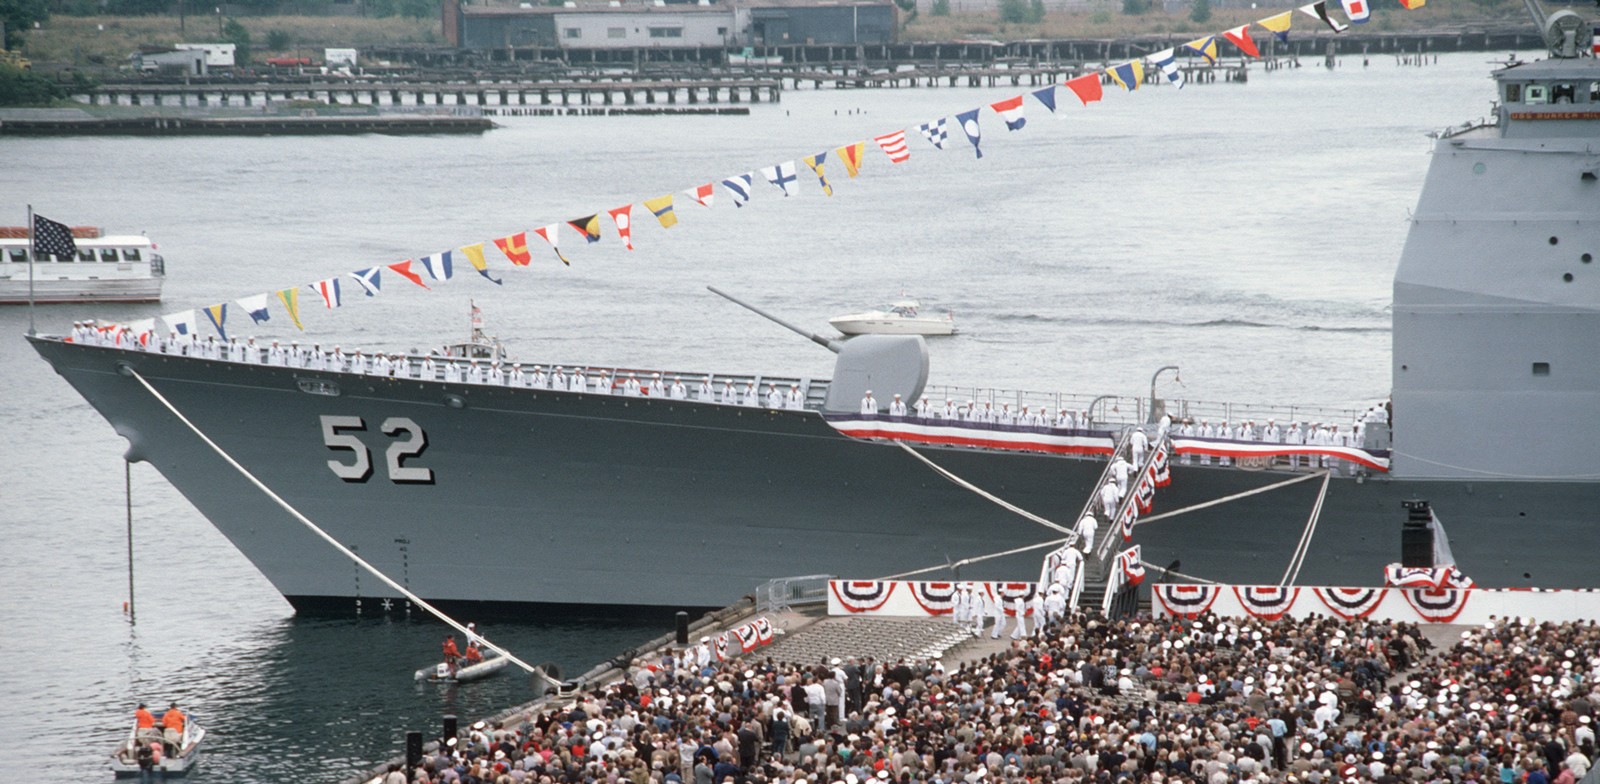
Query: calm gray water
(1245,232)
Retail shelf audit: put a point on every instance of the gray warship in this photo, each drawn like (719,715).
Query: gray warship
(589,502)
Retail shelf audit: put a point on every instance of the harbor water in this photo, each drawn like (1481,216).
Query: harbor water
(1245,232)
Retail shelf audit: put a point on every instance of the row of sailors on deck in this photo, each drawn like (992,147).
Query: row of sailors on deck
(979,413)
(435,368)
(1307,434)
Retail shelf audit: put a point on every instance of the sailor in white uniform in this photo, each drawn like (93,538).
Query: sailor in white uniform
(1224,431)
(1109,497)
(1055,604)
(774,397)
(429,370)
(631,387)
(578,383)
(706,393)
(752,396)
(997,613)
(1088,525)
(730,396)
(558,378)
(869,405)
(973,413)
(402,366)
(1005,417)
(952,412)
(1121,469)
(897,408)
(1036,611)
(796,401)
(1019,609)
(1206,431)
(539,379)
(1063,420)
(658,390)
(1066,574)
(1294,437)
(1272,434)
(474,372)
(1165,427)
(958,612)
(679,391)
(922,407)
(1139,443)
(602,385)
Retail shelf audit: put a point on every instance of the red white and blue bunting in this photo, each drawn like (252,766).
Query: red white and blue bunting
(973,434)
(1189,445)
(936,598)
(1351,603)
(1267,602)
(1186,601)
(1006,595)
(859,596)
(1130,565)
(1397,576)
(1437,605)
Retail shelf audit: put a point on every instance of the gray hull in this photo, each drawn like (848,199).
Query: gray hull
(560,498)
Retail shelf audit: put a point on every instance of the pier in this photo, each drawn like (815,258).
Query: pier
(592,92)
(270,125)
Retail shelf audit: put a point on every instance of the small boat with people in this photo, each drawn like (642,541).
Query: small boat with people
(445,672)
(903,317)
(165,744)
(463,668)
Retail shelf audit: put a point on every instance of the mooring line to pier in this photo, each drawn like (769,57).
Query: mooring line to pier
(306,521)
(1225,499)
(1298,559)
(1001,502)
(975,559)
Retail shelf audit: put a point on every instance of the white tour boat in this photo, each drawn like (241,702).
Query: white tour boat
(108,268)
(896,318)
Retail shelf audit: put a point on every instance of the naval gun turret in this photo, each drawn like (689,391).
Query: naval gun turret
(886,364)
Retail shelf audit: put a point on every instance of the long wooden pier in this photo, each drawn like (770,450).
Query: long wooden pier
(594,92)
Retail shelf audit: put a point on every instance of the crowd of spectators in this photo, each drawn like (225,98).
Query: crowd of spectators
(1083,700)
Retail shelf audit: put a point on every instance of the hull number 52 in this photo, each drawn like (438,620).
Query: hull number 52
(408,441)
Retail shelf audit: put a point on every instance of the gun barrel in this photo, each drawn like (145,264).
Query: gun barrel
(826,343)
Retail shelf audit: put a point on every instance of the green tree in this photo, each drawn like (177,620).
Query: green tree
(1036,11)
(279,40)
(941,8)
(234,33)
(1135,7)
(25,88)
(1013,11)
(19,17)
(1200,12)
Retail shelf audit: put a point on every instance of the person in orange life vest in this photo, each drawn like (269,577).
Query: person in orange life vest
(144,718)
(474,655)
(451,652)
(172,722)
